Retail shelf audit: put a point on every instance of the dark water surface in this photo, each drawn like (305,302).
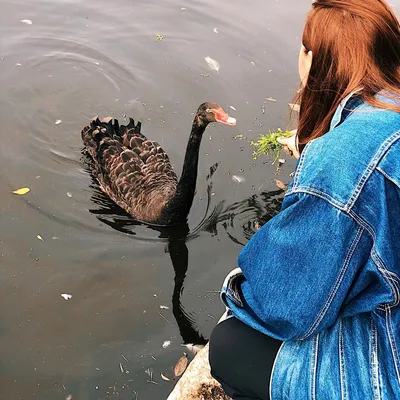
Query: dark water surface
(82,58)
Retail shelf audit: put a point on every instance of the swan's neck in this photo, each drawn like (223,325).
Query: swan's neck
(179,206)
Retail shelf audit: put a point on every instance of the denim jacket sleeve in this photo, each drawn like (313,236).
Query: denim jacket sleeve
(297,269)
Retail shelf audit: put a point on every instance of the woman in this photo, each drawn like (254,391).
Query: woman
(323,275)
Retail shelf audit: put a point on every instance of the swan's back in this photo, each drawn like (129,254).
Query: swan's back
(133,171)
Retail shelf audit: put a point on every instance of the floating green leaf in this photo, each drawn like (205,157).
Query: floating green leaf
(159,37)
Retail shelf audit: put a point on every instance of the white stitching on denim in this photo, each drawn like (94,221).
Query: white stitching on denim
(392,340)
(371,167)
(377,260)
(337,284)
(300,166)
(313,368)
(374,255)
(374,361)
(390,280)
(393,278)
(342,365)
(381,268)
(317,193)
(387,176)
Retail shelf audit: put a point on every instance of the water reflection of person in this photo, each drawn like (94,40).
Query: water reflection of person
(320,281)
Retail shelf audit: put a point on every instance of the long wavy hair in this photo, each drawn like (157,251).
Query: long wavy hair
(355,45)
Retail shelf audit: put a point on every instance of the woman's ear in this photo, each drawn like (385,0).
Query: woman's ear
(309,61)
(305,62)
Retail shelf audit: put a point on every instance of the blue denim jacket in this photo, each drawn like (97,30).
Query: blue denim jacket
(323,275)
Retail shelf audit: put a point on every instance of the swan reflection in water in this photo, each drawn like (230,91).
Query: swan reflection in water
(239,220)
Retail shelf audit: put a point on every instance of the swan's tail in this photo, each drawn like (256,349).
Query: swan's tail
(93,134)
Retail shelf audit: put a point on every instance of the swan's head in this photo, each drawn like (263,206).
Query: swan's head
(212,112)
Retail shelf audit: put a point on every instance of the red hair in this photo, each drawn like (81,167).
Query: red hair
(355,44)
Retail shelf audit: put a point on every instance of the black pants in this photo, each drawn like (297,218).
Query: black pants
(241,360)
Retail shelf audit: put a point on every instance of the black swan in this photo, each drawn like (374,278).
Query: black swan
(136,173)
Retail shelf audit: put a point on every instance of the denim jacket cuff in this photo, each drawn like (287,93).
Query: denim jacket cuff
(231,288)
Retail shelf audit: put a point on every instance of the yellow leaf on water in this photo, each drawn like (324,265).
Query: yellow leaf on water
(22,191)
(39,238)
(181,365)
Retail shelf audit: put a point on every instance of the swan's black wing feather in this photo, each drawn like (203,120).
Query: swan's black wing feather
(133,171)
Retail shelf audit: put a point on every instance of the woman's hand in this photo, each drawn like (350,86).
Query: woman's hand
(290,144)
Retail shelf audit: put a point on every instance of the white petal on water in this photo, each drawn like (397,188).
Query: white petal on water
(233,108)
(164,308)
(252,63)
(213,64)
(281,161)
(238,179)
(18,65)
(26,21)
(66,296)
(58,122)
(69,194)
(216,30)
(166,344)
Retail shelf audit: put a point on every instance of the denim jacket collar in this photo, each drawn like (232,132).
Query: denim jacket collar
(337,117)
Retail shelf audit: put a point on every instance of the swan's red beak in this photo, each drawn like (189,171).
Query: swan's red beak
(222,117)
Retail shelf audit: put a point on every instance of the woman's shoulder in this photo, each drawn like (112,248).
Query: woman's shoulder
(338,165)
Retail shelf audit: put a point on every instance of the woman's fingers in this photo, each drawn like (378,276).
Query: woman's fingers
(289,146)
(287,151)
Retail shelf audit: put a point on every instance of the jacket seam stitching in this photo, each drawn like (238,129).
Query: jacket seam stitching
(391,281)
(391,277)
(374,361)
(313,368)
(318,193)
(300,166)
(393,347)
(371,167)
(387,176)
(337,284)
(342,364)
(374,255)
(360,222)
